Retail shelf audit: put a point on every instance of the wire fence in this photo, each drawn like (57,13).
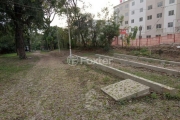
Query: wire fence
(145,42)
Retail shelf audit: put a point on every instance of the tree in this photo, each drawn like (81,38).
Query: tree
(7,43)
(22,13)
(131,35)
(110,29)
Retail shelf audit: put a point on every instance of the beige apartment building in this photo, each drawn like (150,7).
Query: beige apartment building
(157,17)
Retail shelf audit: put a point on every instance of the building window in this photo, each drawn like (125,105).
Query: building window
(171,1)
(120,8)
(149,27)
(158,35)
(149,7)
(171,12)
(126,22)
(169,36)
(170,24)
(149,17)
(133,3)
(132,13)
(159,15)
(127,5)
(141,10)
(141,19)
(132,21)
(158,26)
(132,29)
(141,1)
(148,36)
(159,4)
(126,14)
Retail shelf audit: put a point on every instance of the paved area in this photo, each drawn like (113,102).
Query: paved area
(126,89)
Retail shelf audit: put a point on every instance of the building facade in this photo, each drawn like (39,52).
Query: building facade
(157,17)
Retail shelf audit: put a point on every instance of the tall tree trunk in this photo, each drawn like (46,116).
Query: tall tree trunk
(29,43)
(84,43)
(20,41)
(16,43)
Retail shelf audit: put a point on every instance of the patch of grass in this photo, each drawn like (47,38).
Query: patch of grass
(44,51)
(141,52)
(10,65)
(156,77)
(106,79)
(9,55)
(154,95)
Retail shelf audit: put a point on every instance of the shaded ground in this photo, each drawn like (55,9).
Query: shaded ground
(50,89)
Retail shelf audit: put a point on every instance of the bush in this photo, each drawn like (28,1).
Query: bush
(7,44)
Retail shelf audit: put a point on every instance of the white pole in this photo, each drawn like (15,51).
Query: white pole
(69,32)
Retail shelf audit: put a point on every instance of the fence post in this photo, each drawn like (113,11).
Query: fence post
(159,39)
(174,38)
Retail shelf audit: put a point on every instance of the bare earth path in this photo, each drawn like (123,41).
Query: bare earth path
(53,90)
(45,93)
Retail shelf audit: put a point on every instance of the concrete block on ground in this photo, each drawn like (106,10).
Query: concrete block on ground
(126,89)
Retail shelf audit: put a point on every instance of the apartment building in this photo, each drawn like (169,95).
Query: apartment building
(157,17)
(123,10)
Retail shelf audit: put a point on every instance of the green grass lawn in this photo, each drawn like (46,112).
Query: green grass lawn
(12,68)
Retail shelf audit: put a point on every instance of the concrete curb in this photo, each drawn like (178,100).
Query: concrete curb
(159,88)
(141,65)
(146,59)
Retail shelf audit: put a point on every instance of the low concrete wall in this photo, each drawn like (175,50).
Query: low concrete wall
(159,88)
(146,59)
(141,65)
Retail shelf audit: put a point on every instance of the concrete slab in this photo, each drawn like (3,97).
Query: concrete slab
(126,89)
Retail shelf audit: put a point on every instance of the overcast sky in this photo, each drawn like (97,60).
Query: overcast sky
(96,7)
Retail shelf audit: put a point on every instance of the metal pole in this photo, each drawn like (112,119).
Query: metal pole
(174,30)
(140,29)
(69,32)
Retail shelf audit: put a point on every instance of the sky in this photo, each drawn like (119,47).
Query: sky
(96,6)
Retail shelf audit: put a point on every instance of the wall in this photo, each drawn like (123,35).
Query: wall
(138,15)
(168,18)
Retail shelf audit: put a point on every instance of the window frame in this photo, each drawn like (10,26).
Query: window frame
(171,1)
(132,20)
(150,17)
(149,27)
(133,3)
(127,14)
(159,15)
(141,9)
(161,4)
(170,13)
(150,7)
(148,36)
(170,24)
(140,19)
(158,26)
(133,12)
(126,22)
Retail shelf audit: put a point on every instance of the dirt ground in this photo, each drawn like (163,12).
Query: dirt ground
(54,90)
